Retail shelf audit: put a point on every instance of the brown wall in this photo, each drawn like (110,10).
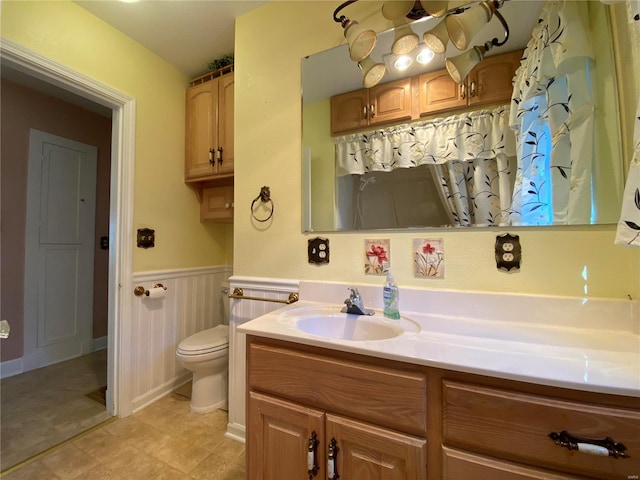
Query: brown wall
(20,110)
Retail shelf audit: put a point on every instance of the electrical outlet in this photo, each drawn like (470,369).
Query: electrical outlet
(508,252)
(318,250)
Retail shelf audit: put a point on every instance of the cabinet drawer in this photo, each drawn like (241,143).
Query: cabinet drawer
(217,204)
(457,465)
(516,426)
(384,396)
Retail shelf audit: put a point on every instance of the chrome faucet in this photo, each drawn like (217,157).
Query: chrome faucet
(355,305)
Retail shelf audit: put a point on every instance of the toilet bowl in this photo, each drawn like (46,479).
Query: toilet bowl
(206,355)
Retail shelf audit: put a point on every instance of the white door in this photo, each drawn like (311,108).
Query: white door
(59,247)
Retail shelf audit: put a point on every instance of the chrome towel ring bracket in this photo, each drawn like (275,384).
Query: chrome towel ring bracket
(265,198)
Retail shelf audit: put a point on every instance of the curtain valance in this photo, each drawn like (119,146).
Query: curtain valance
(466,137)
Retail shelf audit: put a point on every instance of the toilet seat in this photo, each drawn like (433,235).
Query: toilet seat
(207,341)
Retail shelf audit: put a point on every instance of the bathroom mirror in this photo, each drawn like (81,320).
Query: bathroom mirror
(338,199)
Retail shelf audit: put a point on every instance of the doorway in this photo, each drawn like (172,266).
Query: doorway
(48,73)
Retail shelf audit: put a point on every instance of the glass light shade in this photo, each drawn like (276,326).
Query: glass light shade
(361,41)
(435,8)
(437,38)
(425,56)
(462,27)
(460,65)
(372,72)
(393,10)
(405,40)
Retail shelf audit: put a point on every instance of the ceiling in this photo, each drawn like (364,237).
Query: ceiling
(188,34)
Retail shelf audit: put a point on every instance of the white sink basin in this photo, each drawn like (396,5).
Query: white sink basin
(329,322)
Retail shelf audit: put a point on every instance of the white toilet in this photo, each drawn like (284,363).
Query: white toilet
(206,354)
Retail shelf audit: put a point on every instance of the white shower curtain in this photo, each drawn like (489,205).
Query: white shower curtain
(628,232)
(553,116)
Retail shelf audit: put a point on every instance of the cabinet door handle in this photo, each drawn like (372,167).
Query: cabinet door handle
(605,447)
(212,162)
(365,111)
(332,457)
(472,90)
(219,155)
(312,460)
(463,91)
(372,111)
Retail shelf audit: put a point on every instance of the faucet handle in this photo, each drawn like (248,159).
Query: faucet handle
(354,292)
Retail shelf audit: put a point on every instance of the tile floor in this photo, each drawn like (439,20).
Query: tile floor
(164,441)
(43,407)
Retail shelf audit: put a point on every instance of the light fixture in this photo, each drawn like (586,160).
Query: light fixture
(464,26)
(460,25)
(405,39)
(425,55)
(372,72)
(437,38)
(460,65)
(360,40)
(403,62)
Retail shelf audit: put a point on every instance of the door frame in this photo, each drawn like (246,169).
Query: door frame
(123,130)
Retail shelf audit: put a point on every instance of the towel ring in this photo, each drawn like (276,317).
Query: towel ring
(265,197)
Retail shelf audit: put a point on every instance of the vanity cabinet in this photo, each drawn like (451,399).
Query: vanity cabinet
(393,420)
(488,83)
(209,148)
(366,107)
(312,412)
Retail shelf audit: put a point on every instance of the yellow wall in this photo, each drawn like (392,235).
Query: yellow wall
(268,119)
(66,33)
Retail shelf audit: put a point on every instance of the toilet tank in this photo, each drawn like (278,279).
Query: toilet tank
(224,301)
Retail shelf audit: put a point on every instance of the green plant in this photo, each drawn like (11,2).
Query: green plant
(221,62)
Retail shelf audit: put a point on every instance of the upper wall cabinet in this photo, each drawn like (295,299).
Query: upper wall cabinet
(209,129)
(489,82)
(412,98)
(371,106)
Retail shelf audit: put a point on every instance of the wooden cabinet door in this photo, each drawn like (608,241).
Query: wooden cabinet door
(201,133)
(278,434)
(374,453)
(217,204)
(439,92)
(491,80)
(225,122)
(390,102)
(349,111)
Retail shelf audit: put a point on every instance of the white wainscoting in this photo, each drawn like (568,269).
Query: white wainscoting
(192,302)
(241,311)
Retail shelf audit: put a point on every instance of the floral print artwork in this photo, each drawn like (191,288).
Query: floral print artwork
(376,254)
(428,257)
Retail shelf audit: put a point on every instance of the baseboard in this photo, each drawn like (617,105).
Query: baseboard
(157,393)
(99,343)
(9,368)
(236,432)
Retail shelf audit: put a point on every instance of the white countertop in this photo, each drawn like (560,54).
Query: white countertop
(590,358)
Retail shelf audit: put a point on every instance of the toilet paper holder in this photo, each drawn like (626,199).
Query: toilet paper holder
(140,290)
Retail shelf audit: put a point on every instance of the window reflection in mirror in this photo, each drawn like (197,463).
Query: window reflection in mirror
(382,195)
